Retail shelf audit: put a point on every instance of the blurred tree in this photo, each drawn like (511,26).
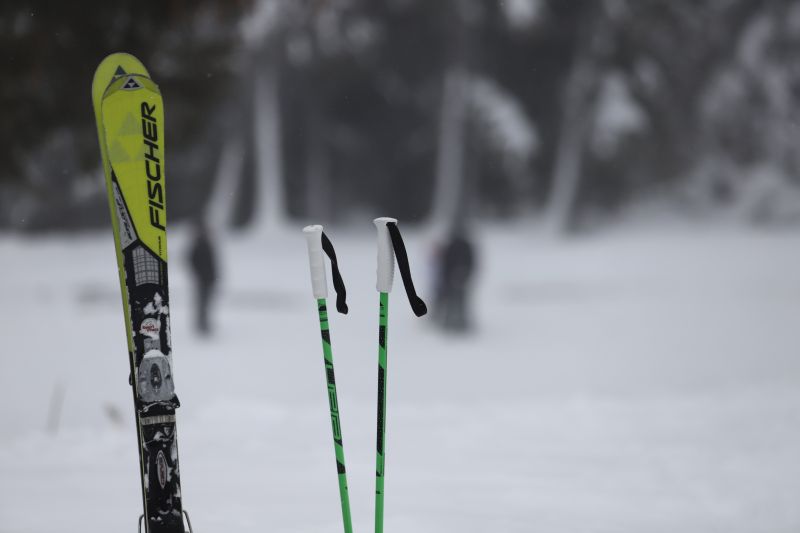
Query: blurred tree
(330,108)
(578,111)
(49,147)
(358,128)
(749,157)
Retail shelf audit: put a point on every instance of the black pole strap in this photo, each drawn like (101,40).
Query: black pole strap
(417,305)
(338,283)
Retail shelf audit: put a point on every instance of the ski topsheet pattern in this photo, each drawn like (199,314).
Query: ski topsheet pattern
(130,121)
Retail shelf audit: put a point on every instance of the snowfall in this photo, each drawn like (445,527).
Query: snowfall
(635,380)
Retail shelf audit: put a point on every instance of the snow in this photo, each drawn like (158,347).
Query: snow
(618,115)
(504,118)
(522,14)
(262,23)
(638,380)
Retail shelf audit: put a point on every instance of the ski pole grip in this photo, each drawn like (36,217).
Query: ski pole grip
(385,255)
(319,284)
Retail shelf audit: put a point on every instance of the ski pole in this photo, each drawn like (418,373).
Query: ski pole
(390,245)
(318,242)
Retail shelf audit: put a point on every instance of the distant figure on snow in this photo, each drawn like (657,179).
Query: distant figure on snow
(455,270)
(203,263)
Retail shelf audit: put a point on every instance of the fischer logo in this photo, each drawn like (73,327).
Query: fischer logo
(150,327)
(152,165)
(161,469)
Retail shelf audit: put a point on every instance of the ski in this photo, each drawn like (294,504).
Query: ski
(130,124)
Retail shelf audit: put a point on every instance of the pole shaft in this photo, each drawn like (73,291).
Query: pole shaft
(333,402)
(381,444)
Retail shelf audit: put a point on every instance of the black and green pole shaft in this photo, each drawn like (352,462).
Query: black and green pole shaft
(380,457)
(390,246)
(317,242)
(333,403)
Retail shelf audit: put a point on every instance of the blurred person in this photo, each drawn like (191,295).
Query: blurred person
(455,269)
(203,263)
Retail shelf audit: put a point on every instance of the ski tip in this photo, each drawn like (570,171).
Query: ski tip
(111,68)
(119,64)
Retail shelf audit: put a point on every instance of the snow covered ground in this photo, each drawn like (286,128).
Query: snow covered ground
(637,381)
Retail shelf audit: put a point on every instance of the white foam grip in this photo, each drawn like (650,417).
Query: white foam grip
(316,261)
(385,255)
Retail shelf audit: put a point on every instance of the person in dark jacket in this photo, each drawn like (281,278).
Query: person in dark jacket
(203,263)
(455,272)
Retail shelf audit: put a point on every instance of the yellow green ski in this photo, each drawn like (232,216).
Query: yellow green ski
(130,124)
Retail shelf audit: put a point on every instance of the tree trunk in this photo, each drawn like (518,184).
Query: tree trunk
(449,205)
(578,116)
(450,158)
(269,209)
(227,182)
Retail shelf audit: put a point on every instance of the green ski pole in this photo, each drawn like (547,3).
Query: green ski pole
(380,458)
(390,246)
(317,243)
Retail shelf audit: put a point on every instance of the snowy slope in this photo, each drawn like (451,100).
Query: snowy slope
(633,382)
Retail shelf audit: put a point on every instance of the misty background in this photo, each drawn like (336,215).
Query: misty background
(615,183)
(575,113)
